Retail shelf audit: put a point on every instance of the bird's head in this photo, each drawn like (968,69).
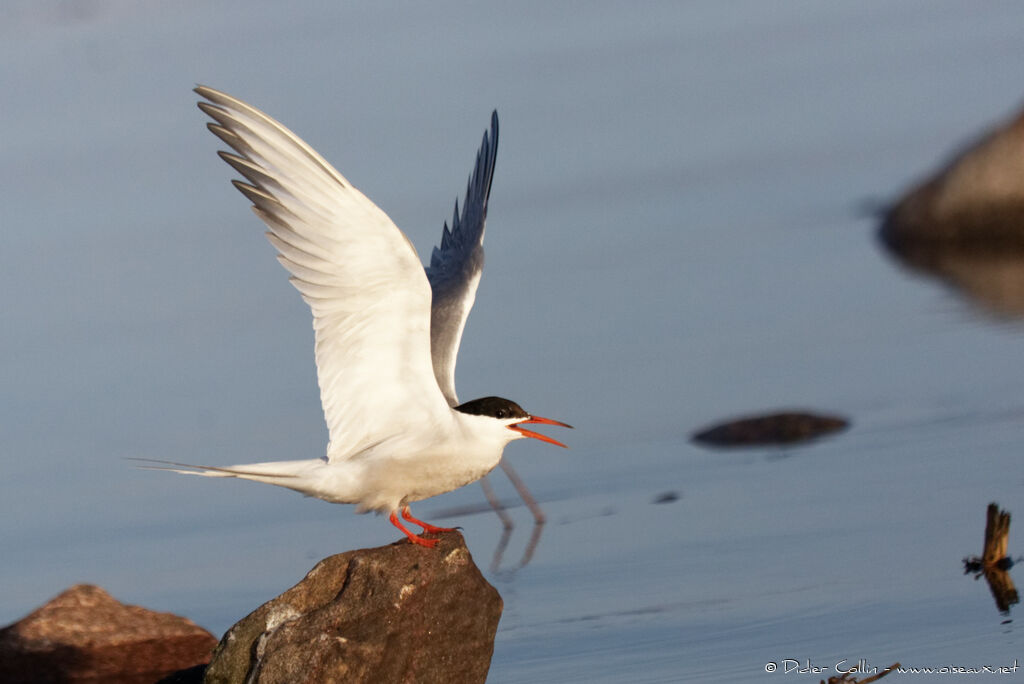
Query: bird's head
(512,416)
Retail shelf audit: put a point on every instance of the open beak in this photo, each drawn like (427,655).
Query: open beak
(536,435)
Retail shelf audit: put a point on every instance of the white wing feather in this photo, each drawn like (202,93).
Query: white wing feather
(456,266)
(357,271)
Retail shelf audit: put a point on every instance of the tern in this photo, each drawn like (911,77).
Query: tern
(387,331)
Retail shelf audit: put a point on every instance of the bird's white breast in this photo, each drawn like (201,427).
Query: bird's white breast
(411,467)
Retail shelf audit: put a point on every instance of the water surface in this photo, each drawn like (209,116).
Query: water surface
(676,235)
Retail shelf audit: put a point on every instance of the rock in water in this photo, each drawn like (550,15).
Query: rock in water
(398,613)
(784,428)
(975,202)
(85,635)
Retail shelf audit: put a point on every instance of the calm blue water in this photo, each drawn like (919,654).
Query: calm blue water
(675,236)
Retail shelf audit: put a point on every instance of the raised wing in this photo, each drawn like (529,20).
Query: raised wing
(456,265)
(357,271)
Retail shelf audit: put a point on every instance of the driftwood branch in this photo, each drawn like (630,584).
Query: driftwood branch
(848,678)
(997,535)
(994,561)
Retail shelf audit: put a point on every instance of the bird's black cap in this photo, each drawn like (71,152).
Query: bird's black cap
(495,407)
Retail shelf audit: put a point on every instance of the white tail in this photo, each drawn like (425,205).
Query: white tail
(291,474)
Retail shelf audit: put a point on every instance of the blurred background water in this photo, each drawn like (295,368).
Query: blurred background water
(677,234)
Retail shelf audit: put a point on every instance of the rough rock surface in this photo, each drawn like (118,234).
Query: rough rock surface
(85,635)
(975,201)
(787,427)
(398,613)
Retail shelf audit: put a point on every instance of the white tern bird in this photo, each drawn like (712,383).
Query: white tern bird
(387,331)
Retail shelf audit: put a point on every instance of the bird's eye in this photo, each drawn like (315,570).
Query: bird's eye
(501,413)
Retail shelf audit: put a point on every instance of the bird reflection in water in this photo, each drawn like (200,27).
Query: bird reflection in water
(501,508)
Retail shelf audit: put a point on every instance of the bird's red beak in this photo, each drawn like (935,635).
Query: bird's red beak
(536,435)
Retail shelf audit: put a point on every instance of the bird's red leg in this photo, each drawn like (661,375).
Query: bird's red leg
(427,527)
(429,543)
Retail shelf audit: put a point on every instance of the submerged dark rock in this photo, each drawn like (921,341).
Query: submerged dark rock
(787,427)
(975,201)
(85,635)
(398,613)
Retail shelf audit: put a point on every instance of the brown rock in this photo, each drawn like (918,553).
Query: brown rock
(976,200)
(787,427)
(84,634)
(398,613)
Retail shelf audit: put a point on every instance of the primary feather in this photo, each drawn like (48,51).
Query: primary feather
(358,272)
(456,266)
